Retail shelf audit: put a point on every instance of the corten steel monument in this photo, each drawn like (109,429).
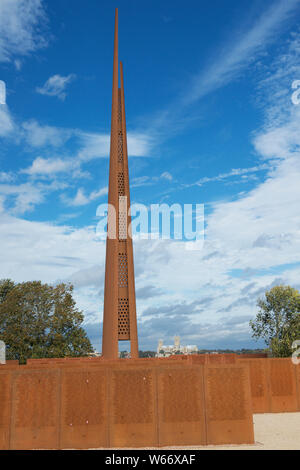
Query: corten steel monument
(119,316)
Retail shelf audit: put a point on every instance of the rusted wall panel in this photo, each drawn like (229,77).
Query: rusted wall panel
(215,359)
(282,379)
(297,370)
(136,403)
(35,410)
(252,356)
(228,405)
(181,417)
(133,421)
(198,358)
(229,358)
(260,390)
(5,408)
(84,409)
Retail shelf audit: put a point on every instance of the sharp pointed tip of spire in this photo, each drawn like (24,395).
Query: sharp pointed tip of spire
(116,18)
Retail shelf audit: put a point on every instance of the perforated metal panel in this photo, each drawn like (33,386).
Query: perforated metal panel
(123,319)
(120,147)
(180,399)
(282,385)
(35,400)
(119,107)
(228,404)
(281,376)
(122,217)
(181,419)
(121,184)
(80,403)
(123,270)
(84,415)
(297,369)
(260,391)
(5,409)
(133,417)
(35,410)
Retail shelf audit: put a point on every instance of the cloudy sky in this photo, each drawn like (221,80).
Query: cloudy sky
(210,120)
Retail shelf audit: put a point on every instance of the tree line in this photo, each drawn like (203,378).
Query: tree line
(42,321)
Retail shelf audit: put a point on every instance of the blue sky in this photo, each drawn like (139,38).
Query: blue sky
(210,120)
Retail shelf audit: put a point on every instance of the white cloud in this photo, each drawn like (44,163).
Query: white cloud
(139,144)
(47,166)
(167,176)
(6,177)
(18,64)
(242,50)
(37,135)
(56,86)
(81,199)
(148,180)
(235,172)
(22,198)
(6,122)
(98,145)
(20,32)
(93,145)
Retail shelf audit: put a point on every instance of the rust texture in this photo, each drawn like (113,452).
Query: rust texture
(283,389)
(181,406)
(119,316)
(274,385)
(81,404)
(298,384)
(259,385)
(228,404)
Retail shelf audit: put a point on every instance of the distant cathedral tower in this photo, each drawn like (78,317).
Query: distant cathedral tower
(119,316)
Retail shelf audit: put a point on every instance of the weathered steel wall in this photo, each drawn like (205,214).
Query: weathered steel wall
(96,403)
(298,384)
(274,385)
(228,404)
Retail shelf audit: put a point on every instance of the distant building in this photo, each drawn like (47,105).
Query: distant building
(124,354)
(176,348)
(95,354)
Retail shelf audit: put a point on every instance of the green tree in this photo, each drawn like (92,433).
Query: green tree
(38,320)
(278,320)
(6,285)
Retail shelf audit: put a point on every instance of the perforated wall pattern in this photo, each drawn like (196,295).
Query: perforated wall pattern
(122,217)
(137,385)
(180,402)
(120,146)
(123,319)
(281,377)
(123,270)
(119,107)
(121,184)
(226,394)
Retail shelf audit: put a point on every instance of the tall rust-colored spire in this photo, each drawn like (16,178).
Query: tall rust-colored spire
(119,317)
